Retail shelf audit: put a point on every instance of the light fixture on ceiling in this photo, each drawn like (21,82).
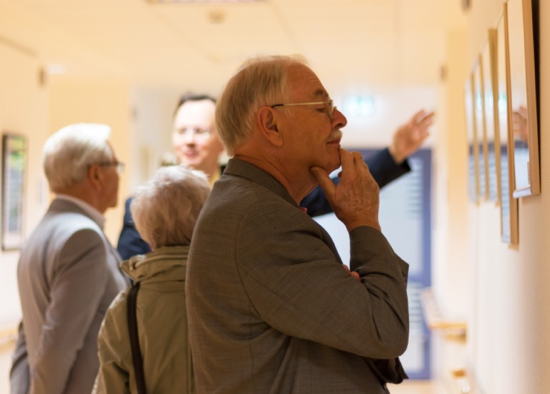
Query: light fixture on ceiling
(216,17)
(465,5)
(359,106)
(203,1)
(56,69)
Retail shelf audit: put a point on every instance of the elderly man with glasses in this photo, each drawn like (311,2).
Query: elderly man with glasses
(271,307)
(68,272)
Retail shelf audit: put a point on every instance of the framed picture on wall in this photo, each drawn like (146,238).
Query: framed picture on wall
(473,176)
(488,84)
(14,162)
(481,130)
(523,97)
(503,136)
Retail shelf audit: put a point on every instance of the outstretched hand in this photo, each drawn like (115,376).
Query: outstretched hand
(520,123)
(409,137)
(355,200)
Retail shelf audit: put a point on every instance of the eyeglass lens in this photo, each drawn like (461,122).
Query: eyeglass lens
(331,108)
(195,132)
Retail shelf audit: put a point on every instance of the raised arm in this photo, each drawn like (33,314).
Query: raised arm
(410,136)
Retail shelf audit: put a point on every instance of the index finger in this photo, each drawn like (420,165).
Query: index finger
(423,118)
(346,159)
(324,181)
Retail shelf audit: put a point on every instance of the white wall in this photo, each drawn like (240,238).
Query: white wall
(504,289)
(151,129)
(393,106)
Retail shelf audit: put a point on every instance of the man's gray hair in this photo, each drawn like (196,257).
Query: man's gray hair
(68,153)
(260,81)
(166,209)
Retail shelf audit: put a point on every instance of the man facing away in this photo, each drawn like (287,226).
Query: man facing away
(68,272)
(271,307)
(197,144)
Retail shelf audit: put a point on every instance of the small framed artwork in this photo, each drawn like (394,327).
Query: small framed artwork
(503,136)
(473,177)
(481,130)
(489,102)
(14,162)
(523,97)
(497,106)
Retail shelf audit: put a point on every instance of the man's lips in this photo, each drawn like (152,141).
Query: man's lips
(190,153)
(335,138)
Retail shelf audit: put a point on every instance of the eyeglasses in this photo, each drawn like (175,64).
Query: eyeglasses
(119,166)
(198,132)
(331,106)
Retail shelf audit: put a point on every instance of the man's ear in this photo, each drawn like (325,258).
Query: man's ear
(269,125)
(95,176)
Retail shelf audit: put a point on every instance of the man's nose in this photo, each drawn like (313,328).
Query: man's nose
(189,136)
(338,119)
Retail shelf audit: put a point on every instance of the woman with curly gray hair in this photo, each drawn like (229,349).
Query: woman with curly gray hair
(165,212)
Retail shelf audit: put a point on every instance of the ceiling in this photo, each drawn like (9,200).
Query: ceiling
(198,46)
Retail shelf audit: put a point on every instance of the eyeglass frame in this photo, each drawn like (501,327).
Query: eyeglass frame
(204,132)
(119,165)
(331,106)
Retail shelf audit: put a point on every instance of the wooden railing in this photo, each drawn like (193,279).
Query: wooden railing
(462,380)
(452,329)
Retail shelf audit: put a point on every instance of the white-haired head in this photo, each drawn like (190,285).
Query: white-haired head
(69,152)
(166,209)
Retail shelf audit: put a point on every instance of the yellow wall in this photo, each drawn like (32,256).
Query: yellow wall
(23,110)
(36,109)
(74,100)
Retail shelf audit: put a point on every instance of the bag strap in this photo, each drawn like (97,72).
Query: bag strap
(134,339)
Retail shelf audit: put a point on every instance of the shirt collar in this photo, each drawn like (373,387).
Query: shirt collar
(94,213)
(249,171)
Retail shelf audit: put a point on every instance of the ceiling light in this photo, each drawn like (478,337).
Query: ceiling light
(359,106)
(56,69)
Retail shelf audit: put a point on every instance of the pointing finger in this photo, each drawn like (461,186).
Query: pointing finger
(323,179)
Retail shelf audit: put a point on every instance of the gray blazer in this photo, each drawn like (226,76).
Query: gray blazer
(271,308)
(68,274)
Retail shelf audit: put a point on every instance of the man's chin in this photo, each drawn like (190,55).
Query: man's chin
(333,165)
(191,163)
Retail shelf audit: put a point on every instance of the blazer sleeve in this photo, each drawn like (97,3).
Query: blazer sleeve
(383,169)
(19,372)
(76,291)
(130,242)
(114,351)
(301,288)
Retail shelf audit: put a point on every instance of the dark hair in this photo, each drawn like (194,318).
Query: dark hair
(192,97)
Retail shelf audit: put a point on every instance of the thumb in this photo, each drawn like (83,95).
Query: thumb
(321,176)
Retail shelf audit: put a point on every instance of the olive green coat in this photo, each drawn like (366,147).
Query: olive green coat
(162,327)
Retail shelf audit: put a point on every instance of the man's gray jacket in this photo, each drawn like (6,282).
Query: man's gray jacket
(68,274)
(271,307)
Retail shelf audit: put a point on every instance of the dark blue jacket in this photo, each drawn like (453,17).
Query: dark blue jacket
(381,165)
